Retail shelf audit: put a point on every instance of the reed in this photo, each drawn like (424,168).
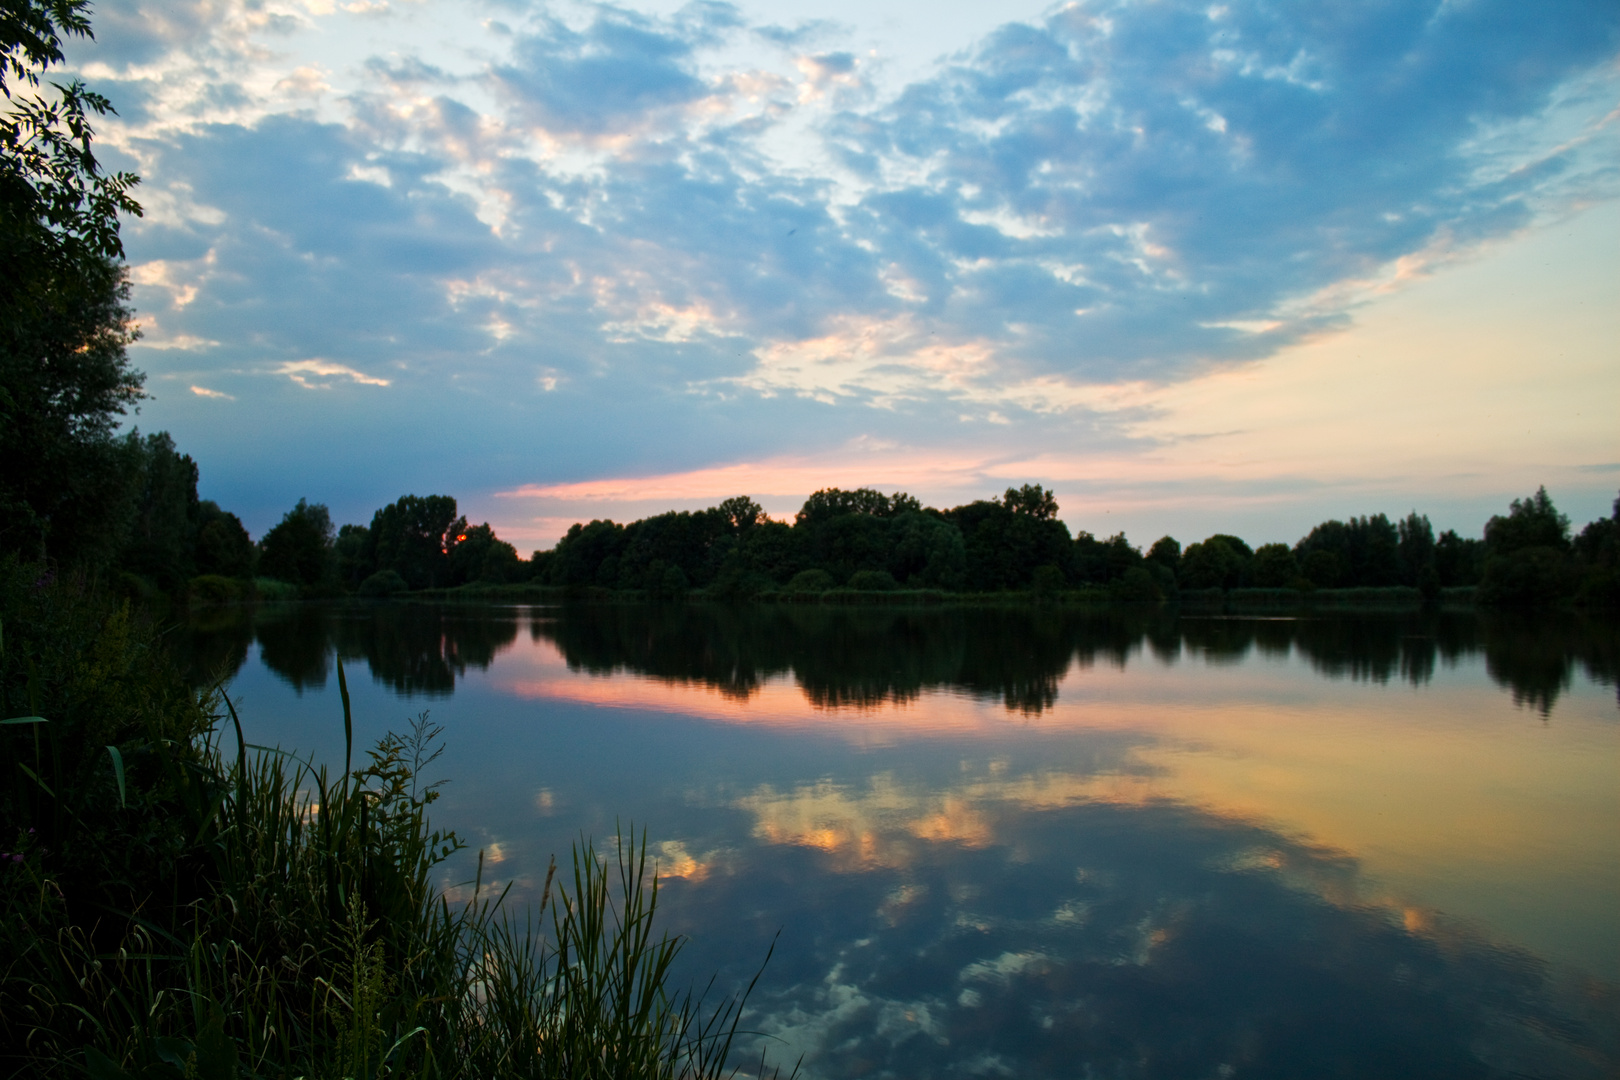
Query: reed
(283,921)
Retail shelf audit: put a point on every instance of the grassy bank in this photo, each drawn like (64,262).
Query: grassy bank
(1392,598)
(179,903)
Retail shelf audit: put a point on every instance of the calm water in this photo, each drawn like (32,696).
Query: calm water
(1019,843)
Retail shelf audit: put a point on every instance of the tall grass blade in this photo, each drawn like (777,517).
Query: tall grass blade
(348,721)
(118,772)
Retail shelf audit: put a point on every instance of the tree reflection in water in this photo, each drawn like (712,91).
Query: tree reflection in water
(1035,908)
(853,657)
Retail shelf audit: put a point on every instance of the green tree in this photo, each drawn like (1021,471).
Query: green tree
(1220,562)
(1456,560)
(1166,551)
(926,552)
(1597,558)
(350,556)
(299,549)
(163,532)
(1527,555)
(831,503)
(478,555)
(1274,567)
(1031,500)
(1365,551)
(412,537)
(223,545)
(65,378)
(1007,539)
(742,512)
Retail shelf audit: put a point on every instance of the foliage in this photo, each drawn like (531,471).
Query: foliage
(815,580)
(65,382)
(1274,567)
(873,581)
(1221,562)
(65,378)
(164,530)
(383,583)
(1363,551)
(412,537)
(223,545)
(298,550)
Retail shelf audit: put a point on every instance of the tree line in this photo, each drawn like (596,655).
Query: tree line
(863,540)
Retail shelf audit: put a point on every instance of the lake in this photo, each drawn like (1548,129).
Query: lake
(1036,842)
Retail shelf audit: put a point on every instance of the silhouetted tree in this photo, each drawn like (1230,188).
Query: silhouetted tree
(1597,559)
(1222,561)
(163,528)
(478,555)
(1527,555)
(1274,567)
(298,550)
(1456,560)
(412,537)
(223,545)
(65,378)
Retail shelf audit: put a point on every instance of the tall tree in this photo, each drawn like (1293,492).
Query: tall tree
(413,537)
(298,550)
(163,532)
(65,378)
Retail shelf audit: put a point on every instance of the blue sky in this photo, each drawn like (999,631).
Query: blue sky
(1205,267)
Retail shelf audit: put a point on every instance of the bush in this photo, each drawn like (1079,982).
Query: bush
(1136,587)
(271,589)
(215,589)
(873,581)
(1047,580)
(383,583)
(811,581)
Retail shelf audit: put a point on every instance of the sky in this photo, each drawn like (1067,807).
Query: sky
(1235,267)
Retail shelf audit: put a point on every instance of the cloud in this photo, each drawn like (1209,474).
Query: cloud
(637,245)
(318,375)
(203,391)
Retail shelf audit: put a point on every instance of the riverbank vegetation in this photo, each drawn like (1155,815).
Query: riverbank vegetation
(175,902)
(865,546)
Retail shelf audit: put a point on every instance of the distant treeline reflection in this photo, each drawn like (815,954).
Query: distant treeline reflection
(855,657)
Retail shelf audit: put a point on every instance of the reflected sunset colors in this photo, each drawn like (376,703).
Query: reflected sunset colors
(1008,842)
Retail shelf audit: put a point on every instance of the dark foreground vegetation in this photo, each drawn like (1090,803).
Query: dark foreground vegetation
(177,903)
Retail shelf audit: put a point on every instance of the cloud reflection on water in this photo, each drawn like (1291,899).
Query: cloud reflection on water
(1196,848)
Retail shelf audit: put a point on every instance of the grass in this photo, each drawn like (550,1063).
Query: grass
(179,903)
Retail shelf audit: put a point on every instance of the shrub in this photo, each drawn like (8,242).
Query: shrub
(215,589)
(873,581)
(272,589)
(811,581)
(383,583)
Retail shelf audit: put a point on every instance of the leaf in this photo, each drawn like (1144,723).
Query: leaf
(118,771)
(216,1051)
(173,1051)
(102,1067)
(25,720)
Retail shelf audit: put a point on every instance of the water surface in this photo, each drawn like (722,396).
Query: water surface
(1040,842)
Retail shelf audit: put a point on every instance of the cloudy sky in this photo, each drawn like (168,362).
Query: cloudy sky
(1233,266)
